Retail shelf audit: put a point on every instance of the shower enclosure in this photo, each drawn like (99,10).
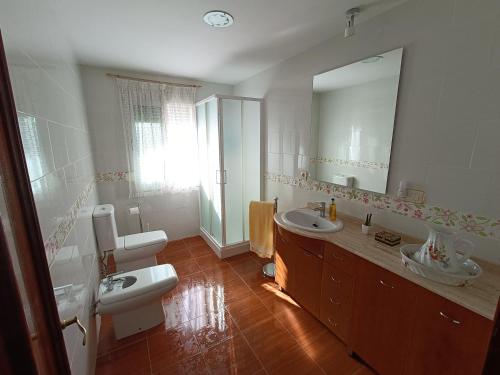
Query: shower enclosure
(229,141)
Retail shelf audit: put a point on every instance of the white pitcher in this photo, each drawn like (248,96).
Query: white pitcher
(444,250)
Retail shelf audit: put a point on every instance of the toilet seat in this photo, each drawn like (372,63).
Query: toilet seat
(139,245)
(152,282)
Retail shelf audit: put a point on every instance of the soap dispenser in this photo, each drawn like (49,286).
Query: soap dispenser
(333,210)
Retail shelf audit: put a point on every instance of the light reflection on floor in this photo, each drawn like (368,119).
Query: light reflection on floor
(225,317)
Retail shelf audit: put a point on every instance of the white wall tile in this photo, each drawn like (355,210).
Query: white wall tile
(47,87)
(290,165)
(486,152)
(447,115)
(108,145)
(58,142)
(36,143)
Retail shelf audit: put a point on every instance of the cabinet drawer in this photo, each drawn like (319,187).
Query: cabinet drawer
(337,284)
(312,245)
(336,316)
(337,256)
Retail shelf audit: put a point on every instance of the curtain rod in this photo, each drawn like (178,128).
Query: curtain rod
(152,81)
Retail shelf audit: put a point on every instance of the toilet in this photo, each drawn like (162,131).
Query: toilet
(130,252)
(134,300)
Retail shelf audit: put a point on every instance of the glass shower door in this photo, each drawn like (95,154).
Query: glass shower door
(210,188)
(242,164)
(251,157)
(201,120)
(233,188)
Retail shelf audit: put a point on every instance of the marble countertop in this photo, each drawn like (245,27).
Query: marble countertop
(481,297)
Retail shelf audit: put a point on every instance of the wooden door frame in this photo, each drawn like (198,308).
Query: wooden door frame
(51,358)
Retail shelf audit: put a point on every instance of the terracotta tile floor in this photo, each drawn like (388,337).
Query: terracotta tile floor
(224,317)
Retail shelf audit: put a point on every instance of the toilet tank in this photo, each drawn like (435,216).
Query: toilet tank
(105,227)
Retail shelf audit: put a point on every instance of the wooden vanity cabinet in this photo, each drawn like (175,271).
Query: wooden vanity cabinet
(392,324)
(285,262)
(446,339)
(299,266)
(382,319)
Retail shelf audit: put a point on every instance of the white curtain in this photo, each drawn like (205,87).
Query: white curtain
(160,135)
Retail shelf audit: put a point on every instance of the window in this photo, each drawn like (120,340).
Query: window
(160,132)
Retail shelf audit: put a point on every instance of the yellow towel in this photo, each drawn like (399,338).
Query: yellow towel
(262,228)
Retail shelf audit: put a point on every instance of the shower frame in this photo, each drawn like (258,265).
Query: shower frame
(224,250)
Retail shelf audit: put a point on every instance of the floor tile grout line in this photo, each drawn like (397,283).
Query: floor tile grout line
(199,347)
(242,333)
(149,357)
(238,276)
(279,321)
(122,346)
(253,351)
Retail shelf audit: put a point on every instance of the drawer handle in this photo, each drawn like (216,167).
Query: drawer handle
(383,283)
(334,280)
(332,322)
(334,302)
(454,321)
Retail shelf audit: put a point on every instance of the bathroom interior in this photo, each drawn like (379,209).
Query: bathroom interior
(250,187)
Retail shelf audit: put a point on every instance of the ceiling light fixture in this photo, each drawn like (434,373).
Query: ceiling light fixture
(218,18)
(349,25)
(372,59)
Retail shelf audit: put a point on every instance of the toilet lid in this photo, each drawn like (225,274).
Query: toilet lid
(134,241)
(149,279)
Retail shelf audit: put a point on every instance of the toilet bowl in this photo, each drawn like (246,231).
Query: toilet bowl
(134,298)
(131,252)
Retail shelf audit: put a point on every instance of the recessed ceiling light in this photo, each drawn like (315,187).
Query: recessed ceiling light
(218,18)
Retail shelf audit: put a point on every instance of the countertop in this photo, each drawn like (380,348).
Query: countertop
(481,297)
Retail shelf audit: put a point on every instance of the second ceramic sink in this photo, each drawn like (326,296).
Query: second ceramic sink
(309,220)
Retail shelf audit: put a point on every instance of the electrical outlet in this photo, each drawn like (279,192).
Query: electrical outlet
(415,196)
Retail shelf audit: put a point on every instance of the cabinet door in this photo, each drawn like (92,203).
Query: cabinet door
(382,318)
(285,261)
(308,281)
(447,339)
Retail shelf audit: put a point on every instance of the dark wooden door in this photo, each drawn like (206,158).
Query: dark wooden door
(447,339)
(382,318)
(31,341)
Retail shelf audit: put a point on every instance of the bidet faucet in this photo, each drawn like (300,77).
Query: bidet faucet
(318,206)
(109,280)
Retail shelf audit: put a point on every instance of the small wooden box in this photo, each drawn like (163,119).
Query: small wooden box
(388,238)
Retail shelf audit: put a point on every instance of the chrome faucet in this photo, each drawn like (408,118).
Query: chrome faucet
(318,206)
(109,281)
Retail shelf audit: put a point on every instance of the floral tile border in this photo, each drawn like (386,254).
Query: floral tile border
(475,224)
(350,163)
(112,176)
(57,238)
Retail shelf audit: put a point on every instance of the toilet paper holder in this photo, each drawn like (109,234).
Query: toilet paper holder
(136,210)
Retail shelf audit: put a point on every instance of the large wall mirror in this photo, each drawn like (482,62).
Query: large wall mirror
(353,112)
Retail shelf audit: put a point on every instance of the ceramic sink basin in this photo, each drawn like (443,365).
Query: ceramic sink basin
(310,220)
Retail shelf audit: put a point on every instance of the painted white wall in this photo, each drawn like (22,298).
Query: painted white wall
(446,132)
(356,123)
(51,112)
(176,214)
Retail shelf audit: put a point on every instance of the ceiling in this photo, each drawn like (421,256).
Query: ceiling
(169,36)
(360,72)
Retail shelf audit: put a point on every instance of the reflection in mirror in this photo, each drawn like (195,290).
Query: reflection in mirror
(353,111)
